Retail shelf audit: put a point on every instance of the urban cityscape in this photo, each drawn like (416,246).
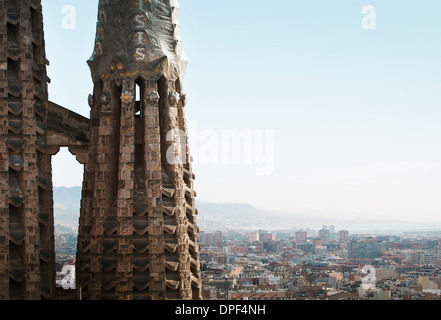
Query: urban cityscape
(322,118)
(302,264)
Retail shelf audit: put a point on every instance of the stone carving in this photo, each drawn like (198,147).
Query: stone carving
(173,98)
(128,171)
(127,97)
(27,257)
(134,206)
(105,98)
(90,100)
(153,97)
(184,100)
(99,50)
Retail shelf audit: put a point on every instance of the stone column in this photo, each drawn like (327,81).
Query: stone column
(28,262)
(190,206)
(126,177)
(153,175)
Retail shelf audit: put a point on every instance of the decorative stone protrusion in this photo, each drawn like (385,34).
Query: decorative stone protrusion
(184,100)
(105,98)
(153,97)
(99,50)
(90,100)
(127,97)
(173,98)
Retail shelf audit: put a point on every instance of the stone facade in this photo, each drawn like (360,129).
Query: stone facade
(137,230)
(27,263)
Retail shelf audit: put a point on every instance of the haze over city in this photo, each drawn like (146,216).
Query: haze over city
(343,120)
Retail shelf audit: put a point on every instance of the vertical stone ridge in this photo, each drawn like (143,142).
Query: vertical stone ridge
(27,261)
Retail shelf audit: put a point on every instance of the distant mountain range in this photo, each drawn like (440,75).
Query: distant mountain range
(211,216)
(235,216)
(240,216)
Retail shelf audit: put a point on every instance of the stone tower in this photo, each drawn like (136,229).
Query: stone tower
(27,263)
(138,232)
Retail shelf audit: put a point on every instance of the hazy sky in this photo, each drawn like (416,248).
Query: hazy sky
(341,107)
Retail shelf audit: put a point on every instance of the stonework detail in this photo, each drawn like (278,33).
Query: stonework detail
(27,262)
(137,229)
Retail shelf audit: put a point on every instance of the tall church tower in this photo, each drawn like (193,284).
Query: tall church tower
(138,232)
(27,262)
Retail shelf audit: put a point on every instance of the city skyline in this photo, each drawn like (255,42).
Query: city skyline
(348,115)
(265,265)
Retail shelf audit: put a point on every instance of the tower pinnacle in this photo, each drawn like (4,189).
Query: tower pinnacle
(138,232)
(138,38)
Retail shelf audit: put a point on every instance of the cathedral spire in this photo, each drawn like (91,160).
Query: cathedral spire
(138,232)
(138,38)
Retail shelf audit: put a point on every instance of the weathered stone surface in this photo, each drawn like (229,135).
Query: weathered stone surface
(138,38)
(27,267)
(137,233)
